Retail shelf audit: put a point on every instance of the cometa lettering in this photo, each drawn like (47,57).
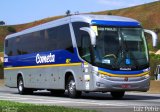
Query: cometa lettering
(45,59)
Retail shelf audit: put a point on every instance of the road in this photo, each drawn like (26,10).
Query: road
(103,102)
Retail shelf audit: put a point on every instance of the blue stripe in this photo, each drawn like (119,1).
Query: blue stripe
(115,23)
(30,59)
(121,72)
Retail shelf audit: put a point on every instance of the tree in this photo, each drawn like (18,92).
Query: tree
(2,23)
(109,13)
(68,12)
(11,29)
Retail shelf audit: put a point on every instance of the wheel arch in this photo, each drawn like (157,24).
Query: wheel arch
(20,74)
(68,74)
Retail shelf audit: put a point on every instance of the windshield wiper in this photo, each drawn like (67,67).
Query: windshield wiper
(130,54)
(124,54)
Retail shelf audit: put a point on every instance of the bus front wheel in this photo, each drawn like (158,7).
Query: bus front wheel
(71,88)
(117,94)
(21,89)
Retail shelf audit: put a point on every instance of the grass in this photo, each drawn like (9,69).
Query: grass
(8,106)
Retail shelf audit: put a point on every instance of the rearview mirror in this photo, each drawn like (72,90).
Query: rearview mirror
(154,36)
(91,34)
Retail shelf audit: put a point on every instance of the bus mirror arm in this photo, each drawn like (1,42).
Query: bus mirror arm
(154,36)
(91,33)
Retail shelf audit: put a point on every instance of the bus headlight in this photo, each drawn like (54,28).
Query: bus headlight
(101,75)
(146,76)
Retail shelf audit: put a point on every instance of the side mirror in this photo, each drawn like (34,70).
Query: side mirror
(91,34)
(154,36)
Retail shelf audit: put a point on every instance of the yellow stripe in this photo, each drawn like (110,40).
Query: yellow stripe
(119,75)
(75,64)
(42,66)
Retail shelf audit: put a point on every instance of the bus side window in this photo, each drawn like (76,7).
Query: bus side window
(85,48)
(9,48)
(6,43)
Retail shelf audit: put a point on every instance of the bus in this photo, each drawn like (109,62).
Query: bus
(79,53)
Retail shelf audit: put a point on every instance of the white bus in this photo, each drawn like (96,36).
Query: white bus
(79,53)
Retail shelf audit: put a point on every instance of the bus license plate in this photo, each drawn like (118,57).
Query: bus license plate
(125,86)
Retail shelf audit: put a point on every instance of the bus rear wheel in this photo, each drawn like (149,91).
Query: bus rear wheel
(21,89)
(117,94)
(71,88)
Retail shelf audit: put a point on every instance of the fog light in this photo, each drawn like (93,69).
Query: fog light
(98,84)
(146,76)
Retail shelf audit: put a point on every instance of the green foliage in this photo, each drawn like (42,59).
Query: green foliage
(22,107)
(1,47)
(109,13)
(149,40)
(11,29)
(2,23)
(155,56)
(154,61)
(68,12)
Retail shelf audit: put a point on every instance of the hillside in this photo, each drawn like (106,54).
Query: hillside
(147,14)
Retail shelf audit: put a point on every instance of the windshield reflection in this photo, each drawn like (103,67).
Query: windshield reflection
(119,48)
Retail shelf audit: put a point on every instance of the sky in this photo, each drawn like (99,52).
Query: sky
(24,11)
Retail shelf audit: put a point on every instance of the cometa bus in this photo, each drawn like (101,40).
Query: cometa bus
(79,53)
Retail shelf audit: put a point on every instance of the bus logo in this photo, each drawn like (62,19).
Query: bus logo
(45,59)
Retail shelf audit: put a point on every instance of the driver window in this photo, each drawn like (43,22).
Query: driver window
(85,48)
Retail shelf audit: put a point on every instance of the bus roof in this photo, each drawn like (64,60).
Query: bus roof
(88,18)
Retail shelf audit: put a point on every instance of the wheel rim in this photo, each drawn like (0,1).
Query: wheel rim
(20,86)
(71,86)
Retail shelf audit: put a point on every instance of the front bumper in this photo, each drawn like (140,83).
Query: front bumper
(107,84)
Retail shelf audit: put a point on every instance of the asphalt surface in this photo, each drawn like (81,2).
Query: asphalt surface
(102,102)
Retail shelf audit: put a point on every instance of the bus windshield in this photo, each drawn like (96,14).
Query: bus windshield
(120,48)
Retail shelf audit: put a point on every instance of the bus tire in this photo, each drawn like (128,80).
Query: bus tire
(21,89)
(117,94)
(71,88)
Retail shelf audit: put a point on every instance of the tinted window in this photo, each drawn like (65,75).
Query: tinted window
(8,49)
(78,32)
(6,43)
(85,51)
(51,38)
(45,40)
(59,38)
(29,43)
